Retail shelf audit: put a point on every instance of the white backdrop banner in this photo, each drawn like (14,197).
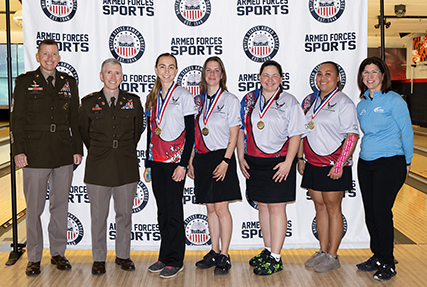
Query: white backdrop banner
(244,33)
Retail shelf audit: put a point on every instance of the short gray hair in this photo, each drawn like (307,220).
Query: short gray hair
(110,62)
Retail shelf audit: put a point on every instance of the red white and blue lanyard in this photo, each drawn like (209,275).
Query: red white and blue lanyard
(208,110)
(323,103)
(263,110)
(161,107)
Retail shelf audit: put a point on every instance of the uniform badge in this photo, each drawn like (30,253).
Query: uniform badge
(65,87)
(35,87)
(96,108)
(65,107)
(128,106)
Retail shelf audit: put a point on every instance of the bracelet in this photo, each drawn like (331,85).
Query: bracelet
(301,158)
(226,160)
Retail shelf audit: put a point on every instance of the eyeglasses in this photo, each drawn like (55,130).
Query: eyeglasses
(373,73)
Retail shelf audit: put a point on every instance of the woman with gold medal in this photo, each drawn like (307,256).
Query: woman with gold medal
(272,125)
(326,168)
(213,166)
(170,110)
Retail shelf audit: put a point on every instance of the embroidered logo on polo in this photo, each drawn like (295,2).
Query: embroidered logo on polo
(196,230)
(312,79)
(379,110)
(193,12)
(59,10)
(189,78)
(326,11)
(260,43)
(75,231)
(68,69)
(126,44)
(314,227)
(141,197)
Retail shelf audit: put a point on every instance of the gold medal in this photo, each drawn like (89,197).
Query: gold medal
(260,125)
(311,125)
(157,131)
(205,131)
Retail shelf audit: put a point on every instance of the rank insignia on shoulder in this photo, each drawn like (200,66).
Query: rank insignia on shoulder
(128,106)
(65,87)
(96,108)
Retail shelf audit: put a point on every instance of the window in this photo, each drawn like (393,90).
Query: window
(17,58)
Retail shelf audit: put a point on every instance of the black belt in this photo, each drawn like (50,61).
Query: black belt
(47,128)
(113,144)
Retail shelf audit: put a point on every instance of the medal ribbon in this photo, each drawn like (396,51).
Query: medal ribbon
(262,111)
(328,98)
(161,108)
(208,111)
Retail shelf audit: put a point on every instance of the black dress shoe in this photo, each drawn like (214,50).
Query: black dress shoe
(127,264)
(61,262)
(33,268)
(98,267)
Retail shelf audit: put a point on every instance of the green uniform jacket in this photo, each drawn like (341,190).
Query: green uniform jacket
(111,137)
(44,122)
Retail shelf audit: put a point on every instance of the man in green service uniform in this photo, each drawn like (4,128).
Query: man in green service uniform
(45,144)
(110,123)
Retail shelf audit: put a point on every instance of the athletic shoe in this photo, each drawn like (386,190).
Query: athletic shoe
(260,258)
(269,267)
(208,261)
(328,263)
(170,271)
(371,264)
(315,259)
(223,265)
(385,272)
(156,267)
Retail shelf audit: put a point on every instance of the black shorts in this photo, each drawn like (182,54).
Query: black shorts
(315,178)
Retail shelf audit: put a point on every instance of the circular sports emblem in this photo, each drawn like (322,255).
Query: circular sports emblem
(251,203)
(193,12)
(189,78)
(141,198)
(126,44)
(314,227)
(261,43)
(68,69)
(59,10)
(196,230)
(75,230)
(326,11)
(343,77)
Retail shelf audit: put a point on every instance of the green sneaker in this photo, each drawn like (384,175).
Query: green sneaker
(269,267)
(260,258)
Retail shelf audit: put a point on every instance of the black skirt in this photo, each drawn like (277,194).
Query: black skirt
(315,178)
(261,187)
(206,188)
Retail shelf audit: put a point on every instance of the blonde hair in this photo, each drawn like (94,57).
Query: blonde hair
(154,93)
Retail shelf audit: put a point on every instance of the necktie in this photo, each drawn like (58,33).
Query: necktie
(50,82)
(113,102)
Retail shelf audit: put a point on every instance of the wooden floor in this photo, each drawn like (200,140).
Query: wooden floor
(410,271)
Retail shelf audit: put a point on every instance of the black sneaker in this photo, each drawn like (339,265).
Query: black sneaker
(208,261)
(260,258)
(371,264)
(223,265)
(385,272)
(269,267)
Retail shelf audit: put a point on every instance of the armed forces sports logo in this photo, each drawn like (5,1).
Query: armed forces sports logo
(127,44)
(343,77)
(68,69)
(261,43)
(326,11)
(75,230)
(189,78)
(196,230)
(314,227)
(59,10)
(193,12)
(141,198)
